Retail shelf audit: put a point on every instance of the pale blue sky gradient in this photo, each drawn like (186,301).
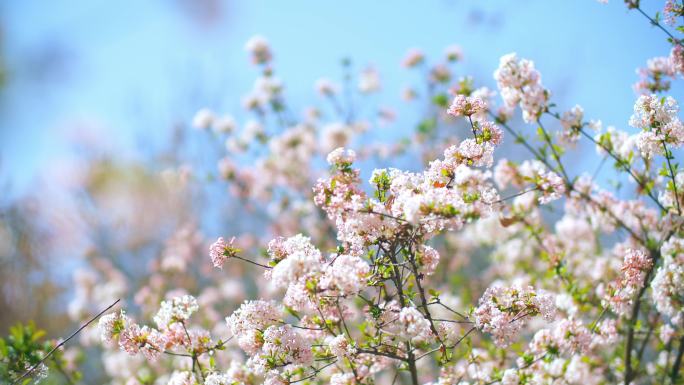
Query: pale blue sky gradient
(136,67)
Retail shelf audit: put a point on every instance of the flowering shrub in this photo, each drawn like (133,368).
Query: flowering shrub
(467,270)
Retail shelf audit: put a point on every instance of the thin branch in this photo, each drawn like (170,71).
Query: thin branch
(315,372)
(439,302)
(655,23)
(668,155)
(678,362)
(252,262)
(32,368)
(556,155)
(517,194)
(629,372)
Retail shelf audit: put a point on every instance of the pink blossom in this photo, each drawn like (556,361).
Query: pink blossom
(502,310)
(220,251)
(413,58)
(260,50)
(466,106)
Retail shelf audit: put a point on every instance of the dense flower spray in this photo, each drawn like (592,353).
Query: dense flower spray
(474,267)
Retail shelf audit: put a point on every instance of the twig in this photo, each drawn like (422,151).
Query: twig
(668,155)
(32,368)
(678,361)
(517,194)
(657,24)
(556,155)
(252,262)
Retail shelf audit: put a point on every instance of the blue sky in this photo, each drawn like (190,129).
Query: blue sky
(128,69)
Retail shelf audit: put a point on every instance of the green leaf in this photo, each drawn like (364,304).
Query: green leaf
(427,126)
(441,100)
